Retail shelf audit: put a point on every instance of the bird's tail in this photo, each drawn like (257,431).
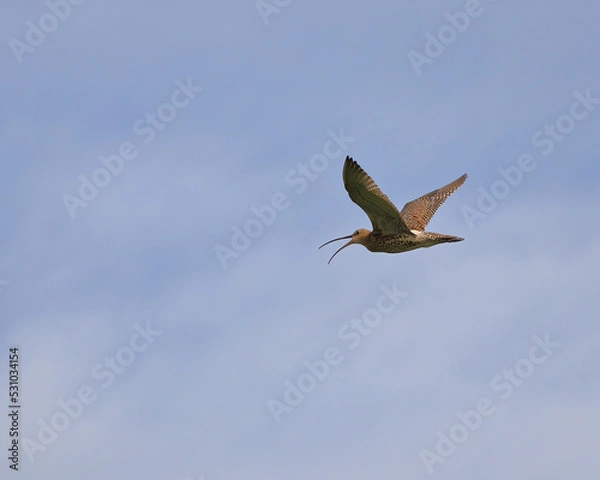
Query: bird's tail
(441,238)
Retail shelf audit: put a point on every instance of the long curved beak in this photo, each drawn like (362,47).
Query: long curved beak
(339,249)
(335,240)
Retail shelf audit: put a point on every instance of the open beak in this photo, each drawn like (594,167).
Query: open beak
(339,249)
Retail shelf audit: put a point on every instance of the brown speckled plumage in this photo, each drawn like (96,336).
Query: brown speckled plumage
(393,231)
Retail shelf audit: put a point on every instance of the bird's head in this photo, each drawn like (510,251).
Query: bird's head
(359,236)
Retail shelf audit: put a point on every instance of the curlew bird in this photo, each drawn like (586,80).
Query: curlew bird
(393,231)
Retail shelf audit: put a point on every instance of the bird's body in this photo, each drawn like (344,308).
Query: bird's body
(393,231)
(398,243)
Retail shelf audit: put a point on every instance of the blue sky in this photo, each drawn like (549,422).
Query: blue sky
(146,353)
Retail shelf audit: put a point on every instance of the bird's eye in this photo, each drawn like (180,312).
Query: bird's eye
(356,233)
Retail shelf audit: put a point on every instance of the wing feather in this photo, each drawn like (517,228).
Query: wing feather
(363,191)
(417,213)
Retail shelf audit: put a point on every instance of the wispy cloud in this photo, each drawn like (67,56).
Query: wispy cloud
(511,100)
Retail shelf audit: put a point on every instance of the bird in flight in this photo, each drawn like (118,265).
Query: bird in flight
(393,231)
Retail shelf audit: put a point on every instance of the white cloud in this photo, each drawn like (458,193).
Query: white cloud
(143,250)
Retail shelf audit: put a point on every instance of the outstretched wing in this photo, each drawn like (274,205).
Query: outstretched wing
(416,214)
(363,191)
